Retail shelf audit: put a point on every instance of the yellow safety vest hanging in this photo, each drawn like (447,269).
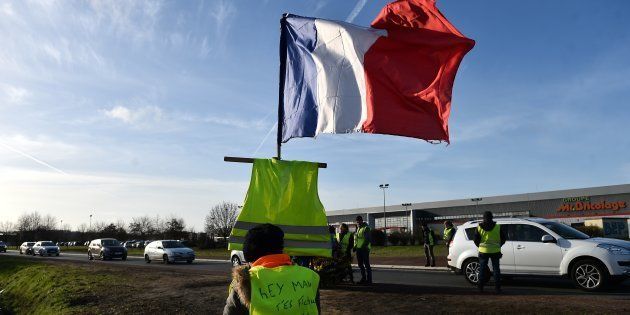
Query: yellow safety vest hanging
(490,242)
(284,193)
(283,290)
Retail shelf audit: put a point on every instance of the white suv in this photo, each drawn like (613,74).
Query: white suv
(540,247)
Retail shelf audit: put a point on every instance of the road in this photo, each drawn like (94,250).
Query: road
(440,280)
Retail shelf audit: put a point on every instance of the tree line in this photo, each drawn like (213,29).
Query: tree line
(33,226)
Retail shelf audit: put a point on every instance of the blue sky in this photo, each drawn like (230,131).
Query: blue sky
(126,108)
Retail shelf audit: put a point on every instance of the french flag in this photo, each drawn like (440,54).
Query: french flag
(395,77)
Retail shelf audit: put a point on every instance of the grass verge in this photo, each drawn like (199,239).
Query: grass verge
(30,287)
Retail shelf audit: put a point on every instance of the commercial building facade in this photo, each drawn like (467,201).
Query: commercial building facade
(573,207)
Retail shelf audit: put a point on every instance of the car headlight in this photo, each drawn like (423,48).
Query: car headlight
(614,249)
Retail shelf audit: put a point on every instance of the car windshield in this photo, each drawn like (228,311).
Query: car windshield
(565,231)
(172,244)
(110,243)
(48,244)
(30,243)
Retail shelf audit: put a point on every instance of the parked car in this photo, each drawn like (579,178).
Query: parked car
(128,244)
(168,251)
(3,247)
(138,244)
(27,248)
(106,248)
(45,248)
(540,247)
(237,258)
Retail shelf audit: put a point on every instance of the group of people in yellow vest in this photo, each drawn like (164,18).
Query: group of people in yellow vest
(272,284)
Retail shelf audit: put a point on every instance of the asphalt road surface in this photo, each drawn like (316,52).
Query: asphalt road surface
(427,279)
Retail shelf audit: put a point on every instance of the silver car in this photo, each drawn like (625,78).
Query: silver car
(27,248)
(45,248)
(168,251)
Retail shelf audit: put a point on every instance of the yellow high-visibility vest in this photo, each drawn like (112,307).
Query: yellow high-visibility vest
(284,193)
(360,238)
(344,241)
(283,290)
(490,240)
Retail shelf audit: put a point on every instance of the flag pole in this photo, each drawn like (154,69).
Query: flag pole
(283,68)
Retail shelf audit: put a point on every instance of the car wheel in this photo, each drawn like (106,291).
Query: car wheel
(189,261)
(165,259)
(90,257)
(100,256)
(471,271)
(41,253)
(146,259)
(57,254)
(236,261)
(20,251)
(589,275)
(124,257)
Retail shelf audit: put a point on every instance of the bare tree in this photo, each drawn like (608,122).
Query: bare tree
(142,226)
(29,222)
(221,219)
(49,223)
(174,228)
(7,227)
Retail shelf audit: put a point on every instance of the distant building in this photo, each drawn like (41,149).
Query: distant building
(573,207)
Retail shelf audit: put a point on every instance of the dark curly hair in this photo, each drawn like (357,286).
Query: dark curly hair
(262,240)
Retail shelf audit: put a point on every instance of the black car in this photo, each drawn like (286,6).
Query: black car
(106,248)
(3,247)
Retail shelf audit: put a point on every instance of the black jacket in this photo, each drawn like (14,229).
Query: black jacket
(488,227)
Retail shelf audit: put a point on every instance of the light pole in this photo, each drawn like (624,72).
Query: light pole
(476,201)
(406,205)
(383,187)
(90,222)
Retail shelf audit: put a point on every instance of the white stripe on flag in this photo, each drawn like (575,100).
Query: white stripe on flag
(341,89)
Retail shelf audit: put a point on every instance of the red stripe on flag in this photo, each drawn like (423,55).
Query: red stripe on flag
(410,73)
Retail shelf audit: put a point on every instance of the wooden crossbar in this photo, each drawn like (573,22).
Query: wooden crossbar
(251,160)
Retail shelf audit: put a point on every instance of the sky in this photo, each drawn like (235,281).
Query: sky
(127,108)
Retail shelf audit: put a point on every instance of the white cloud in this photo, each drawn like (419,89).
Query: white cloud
(7,9)
(71,196)
(484,128)
(13,94)
(222,14)
(356,10)
(141,115)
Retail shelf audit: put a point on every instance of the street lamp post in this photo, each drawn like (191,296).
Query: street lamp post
(90,222)
(476,201)
(383,187)
(406,205)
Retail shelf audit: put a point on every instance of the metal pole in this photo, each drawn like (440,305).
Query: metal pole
(408,214)
(283,69)
(90,222)
(383,187)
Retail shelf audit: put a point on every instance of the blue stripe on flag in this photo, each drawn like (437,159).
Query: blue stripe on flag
(300,85)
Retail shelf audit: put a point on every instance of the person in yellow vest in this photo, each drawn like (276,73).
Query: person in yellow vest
(345,239)
(429,241)
(489,237)
(362,246)
(271,284)
(449,233)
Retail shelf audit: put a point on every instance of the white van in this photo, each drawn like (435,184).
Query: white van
(540,247)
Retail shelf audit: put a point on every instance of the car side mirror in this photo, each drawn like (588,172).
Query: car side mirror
(160,247)
(548,239)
